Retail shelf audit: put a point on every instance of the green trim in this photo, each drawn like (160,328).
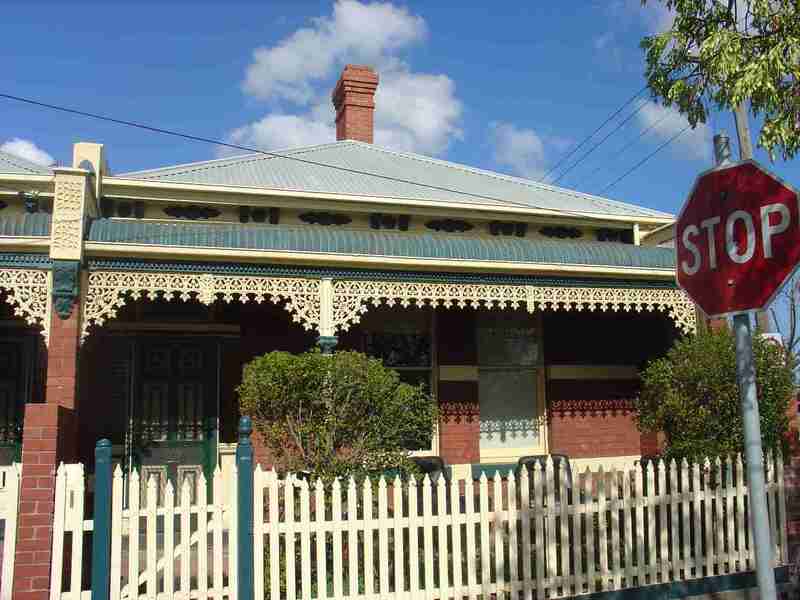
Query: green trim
(26,225)
(386,244)
(244,513)
(687,589)
(66,286)
(489,469)
(25,260)
(267,270)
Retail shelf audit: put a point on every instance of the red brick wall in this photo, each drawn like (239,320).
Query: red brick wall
(62,361)
(595,418)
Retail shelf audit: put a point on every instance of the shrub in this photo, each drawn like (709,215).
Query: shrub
(335,415)
(692,396)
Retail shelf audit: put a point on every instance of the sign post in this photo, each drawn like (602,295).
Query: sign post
(737,242)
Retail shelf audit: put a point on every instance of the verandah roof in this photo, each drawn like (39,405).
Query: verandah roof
(379,243)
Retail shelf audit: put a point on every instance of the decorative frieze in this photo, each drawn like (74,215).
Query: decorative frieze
(28,291)
(107,291)
(68,211)
(351,299)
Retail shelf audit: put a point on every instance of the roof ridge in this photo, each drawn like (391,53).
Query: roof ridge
(232,160)
(23,163)
(505,177)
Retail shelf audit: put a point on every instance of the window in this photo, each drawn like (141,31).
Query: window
(509,384)
(404,340)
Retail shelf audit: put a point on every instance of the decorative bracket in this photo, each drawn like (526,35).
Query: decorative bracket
(66,286)
(28,291)
(352,298)
(109,290)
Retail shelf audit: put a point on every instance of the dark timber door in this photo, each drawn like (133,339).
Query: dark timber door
(174,411)
(17,361)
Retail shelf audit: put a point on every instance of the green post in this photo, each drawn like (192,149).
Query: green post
(244,466)
(101,538)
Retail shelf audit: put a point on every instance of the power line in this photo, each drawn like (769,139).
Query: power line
(591,135)
(630,143)
(206,140)
(619,126)
(644,160)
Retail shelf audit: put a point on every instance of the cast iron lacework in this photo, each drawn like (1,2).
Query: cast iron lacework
(28,291)
(351,299)
(109,290)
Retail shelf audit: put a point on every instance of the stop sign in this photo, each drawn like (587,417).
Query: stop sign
(737,238)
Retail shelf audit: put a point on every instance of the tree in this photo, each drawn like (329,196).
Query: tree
(335,415)
(723,52)
(691,395)
(785,311)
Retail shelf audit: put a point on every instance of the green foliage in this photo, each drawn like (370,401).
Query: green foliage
(692,396)
(723,52)
(335,415)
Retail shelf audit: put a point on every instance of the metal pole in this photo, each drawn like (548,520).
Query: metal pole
(746,153)
(757,492)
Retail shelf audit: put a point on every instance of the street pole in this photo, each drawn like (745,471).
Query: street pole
(754,456)
(746,153)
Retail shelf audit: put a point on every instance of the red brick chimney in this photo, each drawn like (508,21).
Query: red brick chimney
(354,99)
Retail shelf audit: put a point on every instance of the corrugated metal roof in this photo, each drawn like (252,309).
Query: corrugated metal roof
(357,168)
(25,225)
(14,165)
(379,243)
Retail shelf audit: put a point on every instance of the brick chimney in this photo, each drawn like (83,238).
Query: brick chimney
(354,99)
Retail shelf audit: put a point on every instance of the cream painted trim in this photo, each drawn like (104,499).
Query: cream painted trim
(24,179)
(11,242)
(592,372)
(618,463)
(658,236)
(458,373)
(224,254)
(121,185)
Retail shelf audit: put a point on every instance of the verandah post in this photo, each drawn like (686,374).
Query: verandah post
(244,469)
(101,538)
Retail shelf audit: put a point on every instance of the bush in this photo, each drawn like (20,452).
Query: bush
(335,415)
(692,396)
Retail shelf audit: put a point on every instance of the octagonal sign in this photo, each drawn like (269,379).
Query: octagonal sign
(737,238)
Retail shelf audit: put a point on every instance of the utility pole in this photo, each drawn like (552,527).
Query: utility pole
(746,153)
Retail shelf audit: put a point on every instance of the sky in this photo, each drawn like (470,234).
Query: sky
(510,87)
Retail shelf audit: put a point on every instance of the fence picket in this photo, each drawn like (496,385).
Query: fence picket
(259,483)
(150,537)
(169,540)
(769,473)
(783,556)
(497,519)
(661,523)
(455,528)
(483,491)
(587,529)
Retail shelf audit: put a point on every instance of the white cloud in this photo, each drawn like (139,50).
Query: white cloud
(693,144)
(520,149)
(414,111)
(27,150)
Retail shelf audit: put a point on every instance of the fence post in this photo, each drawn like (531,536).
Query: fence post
(244,469)
(101,538)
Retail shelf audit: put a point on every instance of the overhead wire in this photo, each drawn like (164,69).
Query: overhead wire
(628,145)
(645,159)
(591,135)
(619,126)
(244,148)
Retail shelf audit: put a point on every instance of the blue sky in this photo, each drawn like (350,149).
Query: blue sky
(502,86)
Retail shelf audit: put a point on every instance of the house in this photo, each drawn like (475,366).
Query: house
(132,300)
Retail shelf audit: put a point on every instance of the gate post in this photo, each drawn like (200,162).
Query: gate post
(244,497)
(101,538)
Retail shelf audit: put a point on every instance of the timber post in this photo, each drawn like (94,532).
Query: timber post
(244,499)
(101,538)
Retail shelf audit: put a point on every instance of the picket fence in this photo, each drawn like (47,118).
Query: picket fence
(508,536)
(9,497)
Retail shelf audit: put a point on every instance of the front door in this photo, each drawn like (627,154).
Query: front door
(174,410)
(17,363)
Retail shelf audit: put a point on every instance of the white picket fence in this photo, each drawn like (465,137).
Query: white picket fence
(506,536)
(499,537)
(163,544)
(9,500)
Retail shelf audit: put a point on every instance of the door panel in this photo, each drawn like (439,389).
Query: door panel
(175,410)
